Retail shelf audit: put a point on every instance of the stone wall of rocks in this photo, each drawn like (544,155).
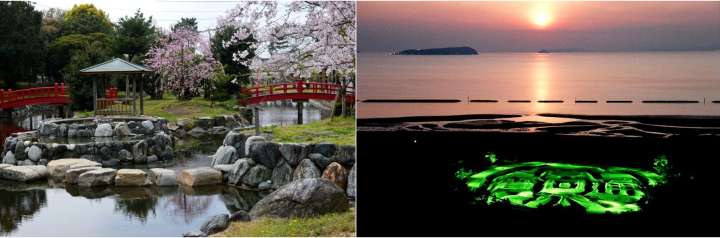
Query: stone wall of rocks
(102,127)
(254,162)
(207,126)
(111,142)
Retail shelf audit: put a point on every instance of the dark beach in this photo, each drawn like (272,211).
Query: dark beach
(414,188)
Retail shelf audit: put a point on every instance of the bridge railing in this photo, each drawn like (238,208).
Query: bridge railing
(296,87)
(58,90)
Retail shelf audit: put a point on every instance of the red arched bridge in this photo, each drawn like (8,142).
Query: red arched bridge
(52,95)
(297,91)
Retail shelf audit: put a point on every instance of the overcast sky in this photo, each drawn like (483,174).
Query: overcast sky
(164,12)
(513,26)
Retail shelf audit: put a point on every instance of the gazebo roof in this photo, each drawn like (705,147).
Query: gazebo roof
(114,66)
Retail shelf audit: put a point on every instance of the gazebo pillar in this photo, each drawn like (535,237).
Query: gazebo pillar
(94,97)
(134,97)
(142,96)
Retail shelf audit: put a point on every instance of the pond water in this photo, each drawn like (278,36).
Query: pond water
(45,209)
(112,211)
(285,113)
(42,209)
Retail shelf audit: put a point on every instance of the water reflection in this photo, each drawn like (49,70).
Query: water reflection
(17,205)
(285,113)
(540,76)
(39,210)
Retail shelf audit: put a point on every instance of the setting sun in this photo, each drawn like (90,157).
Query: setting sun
(541,16)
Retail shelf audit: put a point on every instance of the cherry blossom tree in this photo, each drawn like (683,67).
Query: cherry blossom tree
(294,40)
(184,62)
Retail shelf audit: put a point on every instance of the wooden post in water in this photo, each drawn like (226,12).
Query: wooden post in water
(256,115)
(300,106)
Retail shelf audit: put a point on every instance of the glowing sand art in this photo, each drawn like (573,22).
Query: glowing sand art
(539,184)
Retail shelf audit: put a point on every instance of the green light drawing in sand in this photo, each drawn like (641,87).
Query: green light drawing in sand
(538,184)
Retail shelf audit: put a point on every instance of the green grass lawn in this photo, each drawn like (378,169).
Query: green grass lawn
(336,224)
(170,108)
(337,130)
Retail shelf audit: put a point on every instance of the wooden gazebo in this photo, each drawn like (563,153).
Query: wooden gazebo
(110,103)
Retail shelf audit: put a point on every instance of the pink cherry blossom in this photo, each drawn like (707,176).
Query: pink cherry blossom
(184,62)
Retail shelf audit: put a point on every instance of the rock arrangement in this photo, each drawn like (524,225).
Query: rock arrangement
(208,126)
(300,198)
(110,141)
(254,162)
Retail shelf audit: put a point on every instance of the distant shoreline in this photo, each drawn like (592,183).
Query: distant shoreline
(567,52)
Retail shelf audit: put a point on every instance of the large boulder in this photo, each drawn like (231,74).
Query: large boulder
(238,171)
(24,173)
(104,130)
(56,151)
(237,140)
(72,174)
(265,153)
(9,158)
(218,130)
(122,129)
(225,154)
(48,129)
(337,174)
(292,153)
(140,152)
(10,143)
(345,155)
(194,234)
(73,130)
(163,177)
(302,198)
(20,151)
(97,177)
(34,153)
(62,130)
(351,182)
(281,175)
(197,132)
(132,178)
(125,156)
(184,123)
(200,176)
(57,168)
(306,169)
(166,154)
(257,175)
(215,224)
(326,149)
(252,140)
(148,125)
(219,120)
(320,160)
(204,122)
(225,169)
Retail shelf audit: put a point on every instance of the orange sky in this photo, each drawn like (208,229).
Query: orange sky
(582,20)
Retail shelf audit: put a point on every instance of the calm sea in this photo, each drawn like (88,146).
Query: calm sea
(636,76)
